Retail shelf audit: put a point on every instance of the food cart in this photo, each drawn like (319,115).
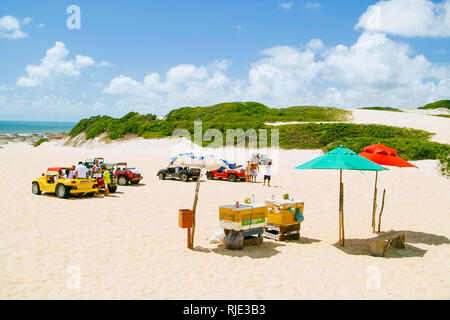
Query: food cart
(282,223)
(250,219)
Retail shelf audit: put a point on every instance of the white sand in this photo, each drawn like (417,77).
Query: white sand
(129,246)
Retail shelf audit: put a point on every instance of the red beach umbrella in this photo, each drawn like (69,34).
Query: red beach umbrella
(383,155)
(386,156)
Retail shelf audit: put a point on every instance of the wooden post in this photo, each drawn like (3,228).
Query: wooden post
(340,197)
(194,208)
(374,207)
(381,211)
(341,210)
(189,238)
(342,213)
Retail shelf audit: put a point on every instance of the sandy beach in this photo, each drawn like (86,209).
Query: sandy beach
(129,246)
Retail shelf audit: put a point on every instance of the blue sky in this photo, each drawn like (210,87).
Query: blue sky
(204,52)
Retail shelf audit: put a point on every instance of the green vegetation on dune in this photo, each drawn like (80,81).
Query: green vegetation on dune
(39,142)
(442,115)
(329,135)
(382,109)
(412,144)
(132,123)
(444,104)
(256,112)
(223,116)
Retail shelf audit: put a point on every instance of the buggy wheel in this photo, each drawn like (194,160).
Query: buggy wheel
(209,176)
(35,188)
(122,181)
(184,177)
(232,177)
(61,191)
(161,176)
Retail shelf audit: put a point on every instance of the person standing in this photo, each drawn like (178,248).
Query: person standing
(81,172)
(96,170)
(106,179)
(97,173)
(255,170)
(267,171)
(248,172)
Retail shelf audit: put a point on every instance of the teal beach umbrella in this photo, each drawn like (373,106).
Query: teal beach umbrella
(341,159)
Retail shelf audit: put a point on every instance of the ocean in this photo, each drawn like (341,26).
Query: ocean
(24,127)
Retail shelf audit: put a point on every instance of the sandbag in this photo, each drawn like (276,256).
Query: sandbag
(234,240)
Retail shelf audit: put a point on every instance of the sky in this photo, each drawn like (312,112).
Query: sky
(67,60)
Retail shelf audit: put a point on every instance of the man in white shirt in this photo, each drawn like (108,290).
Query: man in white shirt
(267,171)
(81,172)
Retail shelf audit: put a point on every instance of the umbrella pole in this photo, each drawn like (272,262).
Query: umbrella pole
(374,207)
(194,208)
(341,209)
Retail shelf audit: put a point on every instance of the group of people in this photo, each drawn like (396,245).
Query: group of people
(252,170)
(99,172)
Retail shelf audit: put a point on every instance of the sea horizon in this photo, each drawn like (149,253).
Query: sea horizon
(29,127)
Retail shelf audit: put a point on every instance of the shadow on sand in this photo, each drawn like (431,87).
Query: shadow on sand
(361,246)
(303,240)
(265,250)
(81,197)
(134,185)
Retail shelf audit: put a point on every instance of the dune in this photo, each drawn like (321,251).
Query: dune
(409,119)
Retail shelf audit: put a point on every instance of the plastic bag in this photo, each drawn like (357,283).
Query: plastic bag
(217,237)
(298,215)
(234,240)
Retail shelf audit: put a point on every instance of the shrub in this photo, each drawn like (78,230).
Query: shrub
(445,104)
(39,142)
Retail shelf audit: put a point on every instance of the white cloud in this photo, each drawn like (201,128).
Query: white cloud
(104,64)
(313,5)
(315,44)
(10,28)
(27,20)
(184,84)
(410,18)
(286,6)
(40,25)
(54,66)
(5,88)
(374,71)
(99,104)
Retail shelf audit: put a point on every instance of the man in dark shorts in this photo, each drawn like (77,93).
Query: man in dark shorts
(267,171)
